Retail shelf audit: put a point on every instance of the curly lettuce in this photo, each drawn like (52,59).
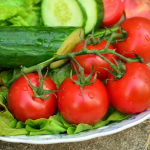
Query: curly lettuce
(20,12)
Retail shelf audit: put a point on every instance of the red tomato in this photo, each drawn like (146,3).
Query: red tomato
(133,8)
(86,61)
(113,10)
(22,104)
(77,110)
(131,93)
(138,38)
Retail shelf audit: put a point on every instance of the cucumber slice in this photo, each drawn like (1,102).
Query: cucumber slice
(63,13)
(68,46)
(95,13)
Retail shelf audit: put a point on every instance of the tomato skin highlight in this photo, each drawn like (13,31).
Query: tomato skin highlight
(138,38)
(75,109)
(113,10)
(86,61)
(136,8)
(131,93)
(22,104)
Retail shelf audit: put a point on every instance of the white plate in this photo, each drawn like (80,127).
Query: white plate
(86,135)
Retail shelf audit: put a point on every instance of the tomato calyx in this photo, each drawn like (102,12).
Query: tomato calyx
(82,80)
(39,92)
(121,69)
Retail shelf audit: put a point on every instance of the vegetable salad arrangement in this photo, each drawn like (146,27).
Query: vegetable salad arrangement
(65,69)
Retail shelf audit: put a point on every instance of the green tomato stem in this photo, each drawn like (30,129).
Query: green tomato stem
(41,82)
(111,64)
(44,64)
(84,51)
(81,70)
(107,32)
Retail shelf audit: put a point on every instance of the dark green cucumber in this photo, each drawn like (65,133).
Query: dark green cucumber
(27,46)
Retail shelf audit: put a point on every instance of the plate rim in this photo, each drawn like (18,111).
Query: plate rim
(15,139)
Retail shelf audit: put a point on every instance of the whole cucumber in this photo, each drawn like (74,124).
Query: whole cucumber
(27,46)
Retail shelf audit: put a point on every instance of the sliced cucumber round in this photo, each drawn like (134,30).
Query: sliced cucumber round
(63,13)
(95,13)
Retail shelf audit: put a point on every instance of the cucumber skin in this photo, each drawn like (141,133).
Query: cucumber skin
(27,46)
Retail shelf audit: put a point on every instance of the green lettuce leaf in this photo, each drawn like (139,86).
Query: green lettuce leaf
(7,75)
(59,74)
(6,118)
(111,116)
(53,125)
(56,124)
(20,12)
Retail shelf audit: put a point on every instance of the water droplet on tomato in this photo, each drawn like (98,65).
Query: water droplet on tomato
(91,95)
(37,77)
(25,87)
(147,38)
(130,102)
(80,94)
(144,44)
(129,38)
(16,87)
(134,50)
(137,27)
(139,35)
(146,81)
(46,95)
(133,77)
(132,32)
(63,97)
(126,98)
(62,112)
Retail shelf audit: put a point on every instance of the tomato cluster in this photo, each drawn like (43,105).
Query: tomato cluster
(88,103)
(131,93)
(73,106)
